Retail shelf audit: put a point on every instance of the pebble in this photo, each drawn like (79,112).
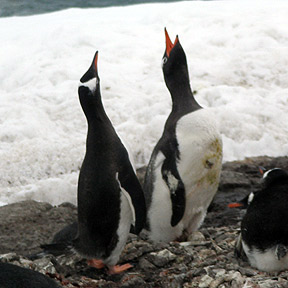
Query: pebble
(9,257)
(132,280)
(162,257)
(205,281)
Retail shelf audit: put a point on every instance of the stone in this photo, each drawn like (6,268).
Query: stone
(162,257)
(205,281)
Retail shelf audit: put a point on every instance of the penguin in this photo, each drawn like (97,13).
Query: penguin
(183,173)
(263,238)
(12,276)
(110,197)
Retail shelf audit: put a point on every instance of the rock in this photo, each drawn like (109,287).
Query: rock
(175,281)
(145,265)
(235,278)
(44,265)
(26,225)
(132,280)
(9,257)
(232,179)
(161,258)
(205,281)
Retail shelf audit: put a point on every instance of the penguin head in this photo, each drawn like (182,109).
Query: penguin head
(273,176)
(174,63)
(90,82)
(89,90)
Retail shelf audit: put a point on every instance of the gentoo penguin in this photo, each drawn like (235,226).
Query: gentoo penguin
(183,173)
(13,276)
(110,197)
(264,230)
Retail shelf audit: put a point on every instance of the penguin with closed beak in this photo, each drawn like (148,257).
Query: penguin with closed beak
(183,173)
(110,197)
(264,230)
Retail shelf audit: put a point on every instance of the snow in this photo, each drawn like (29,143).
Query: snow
(237,57)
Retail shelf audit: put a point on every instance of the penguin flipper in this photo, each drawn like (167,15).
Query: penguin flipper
(281,251)
(129,182)
(177,190)
(239,251)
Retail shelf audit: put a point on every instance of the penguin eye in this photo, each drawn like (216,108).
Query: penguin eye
(164,60)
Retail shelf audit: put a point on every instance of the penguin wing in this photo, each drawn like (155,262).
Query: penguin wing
(239,251)
(281,251)
(129,182)
(173,180)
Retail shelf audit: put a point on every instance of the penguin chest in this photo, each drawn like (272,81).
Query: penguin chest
(265,260)
(199,166)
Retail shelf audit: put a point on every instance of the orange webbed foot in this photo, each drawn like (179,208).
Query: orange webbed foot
(119,268)
(98,264)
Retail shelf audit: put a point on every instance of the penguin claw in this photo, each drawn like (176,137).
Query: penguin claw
(117,269)
(98,264)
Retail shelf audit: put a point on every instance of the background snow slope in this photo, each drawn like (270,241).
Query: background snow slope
(237,57)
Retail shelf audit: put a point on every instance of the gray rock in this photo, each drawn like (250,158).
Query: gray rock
(205,281)
(26,225)
(145,265)
(161,258)
(131,280)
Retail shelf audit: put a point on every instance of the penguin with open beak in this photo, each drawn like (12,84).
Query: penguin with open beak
(183,173)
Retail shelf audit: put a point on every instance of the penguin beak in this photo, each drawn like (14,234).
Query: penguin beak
(241,204)
(169,44)
(235,205)
(262,170)
(95,63)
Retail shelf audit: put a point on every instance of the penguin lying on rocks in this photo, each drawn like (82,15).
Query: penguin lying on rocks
(183,173)
(110,197)
(264,230)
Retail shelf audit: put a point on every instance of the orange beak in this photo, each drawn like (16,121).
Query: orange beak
(262,170)
(235,205)
(169,44)
(95,61)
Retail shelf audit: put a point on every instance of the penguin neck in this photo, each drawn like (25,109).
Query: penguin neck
(99,128)
(183,98)
(95,114)
(100,117)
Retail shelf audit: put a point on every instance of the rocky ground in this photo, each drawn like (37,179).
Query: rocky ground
(207,260)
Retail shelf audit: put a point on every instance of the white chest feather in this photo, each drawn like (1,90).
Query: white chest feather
(127,217)
(200,148)
(265,261)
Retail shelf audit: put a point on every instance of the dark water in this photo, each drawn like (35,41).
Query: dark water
(30,7)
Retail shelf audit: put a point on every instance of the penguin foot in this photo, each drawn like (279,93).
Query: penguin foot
(98,264)
(119,268)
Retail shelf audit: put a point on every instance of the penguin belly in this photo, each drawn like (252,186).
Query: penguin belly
(200,148)
(126,219)
(265,260)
